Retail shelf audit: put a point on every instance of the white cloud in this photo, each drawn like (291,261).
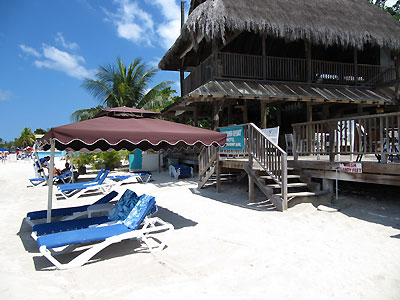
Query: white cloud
(29,50)
(64,62)
(168,30)
(136,25)
(60,40)
(6,95)
(133,23)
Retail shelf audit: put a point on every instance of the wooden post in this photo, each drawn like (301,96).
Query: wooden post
(218,173)
(195,114)
(355,66)
(307,45)
(245,114)
(279,114)
(310,137)
(327,185)
(182,13)
(263,114)
(251,189)
(215,115)
(264,54)
(397,65)
(331,142)
(295,155)
(230,119)
(50,180)
(182,77)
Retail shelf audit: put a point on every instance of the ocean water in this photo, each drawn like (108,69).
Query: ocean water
(42,154)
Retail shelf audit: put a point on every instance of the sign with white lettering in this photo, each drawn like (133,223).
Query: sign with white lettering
(350,167)
(234,138)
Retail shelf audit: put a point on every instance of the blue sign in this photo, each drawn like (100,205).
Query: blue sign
(234,138)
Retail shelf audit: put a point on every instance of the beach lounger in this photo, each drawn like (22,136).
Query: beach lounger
(118,212)
(78,184)
(69,213)
(134,226)
(139,177)
(76,190)
(40,181)
(180,170)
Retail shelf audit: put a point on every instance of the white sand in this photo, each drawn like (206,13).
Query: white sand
(221,248)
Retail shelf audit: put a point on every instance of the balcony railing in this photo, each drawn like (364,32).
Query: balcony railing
(223,65)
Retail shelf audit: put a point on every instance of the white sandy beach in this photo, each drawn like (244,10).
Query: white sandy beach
(221,248)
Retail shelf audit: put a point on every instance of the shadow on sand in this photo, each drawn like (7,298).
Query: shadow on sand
(115,250)
(236,193)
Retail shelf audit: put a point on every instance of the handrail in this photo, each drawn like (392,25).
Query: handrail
(255,67)
(271,157)
(357,135)
(206,157)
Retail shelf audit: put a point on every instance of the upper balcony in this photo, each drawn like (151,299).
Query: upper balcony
(223,65)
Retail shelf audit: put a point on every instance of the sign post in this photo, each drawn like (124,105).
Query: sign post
(234,138)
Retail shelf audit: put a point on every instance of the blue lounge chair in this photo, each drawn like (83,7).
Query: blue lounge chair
(78,184)
(134,226)
(120,210)
(76,190)
(69,213)
(65,178)
(139,177)
(180,170)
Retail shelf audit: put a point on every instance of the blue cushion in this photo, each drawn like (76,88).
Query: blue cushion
(81,236)
(141,209)
(60,212)
(47,228)
(123,207)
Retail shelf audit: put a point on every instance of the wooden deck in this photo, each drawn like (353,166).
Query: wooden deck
(372,170)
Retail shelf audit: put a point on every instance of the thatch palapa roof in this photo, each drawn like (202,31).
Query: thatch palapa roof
(344,22)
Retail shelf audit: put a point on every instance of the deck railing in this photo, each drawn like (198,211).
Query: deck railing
(225,65)
(258,147)
(355,136)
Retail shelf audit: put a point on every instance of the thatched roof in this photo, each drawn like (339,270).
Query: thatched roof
(326,22)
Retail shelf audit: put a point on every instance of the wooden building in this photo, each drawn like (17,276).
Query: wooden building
(281,63)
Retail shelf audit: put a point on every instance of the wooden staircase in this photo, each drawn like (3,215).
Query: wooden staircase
(297,185)
(207,165)
(266,166)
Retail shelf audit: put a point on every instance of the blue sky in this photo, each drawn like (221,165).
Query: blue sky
(47,47)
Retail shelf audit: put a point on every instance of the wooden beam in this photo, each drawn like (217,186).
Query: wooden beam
(263,114)
(230,120)
(251,189)
(195,114)
(245,113)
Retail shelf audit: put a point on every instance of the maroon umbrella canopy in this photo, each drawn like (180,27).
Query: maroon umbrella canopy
(127,112)
(106,133)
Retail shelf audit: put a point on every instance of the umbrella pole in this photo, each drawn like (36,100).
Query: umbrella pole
(50,181)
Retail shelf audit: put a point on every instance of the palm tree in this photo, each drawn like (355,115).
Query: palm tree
(26,139)
(163,99)
(86,113)
(120,86)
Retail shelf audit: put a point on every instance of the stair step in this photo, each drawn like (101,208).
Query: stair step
(288,176)
(303,194)
(289,185)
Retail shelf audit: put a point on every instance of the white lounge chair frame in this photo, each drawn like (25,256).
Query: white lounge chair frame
(176,173)
(104,188)
(150,225)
